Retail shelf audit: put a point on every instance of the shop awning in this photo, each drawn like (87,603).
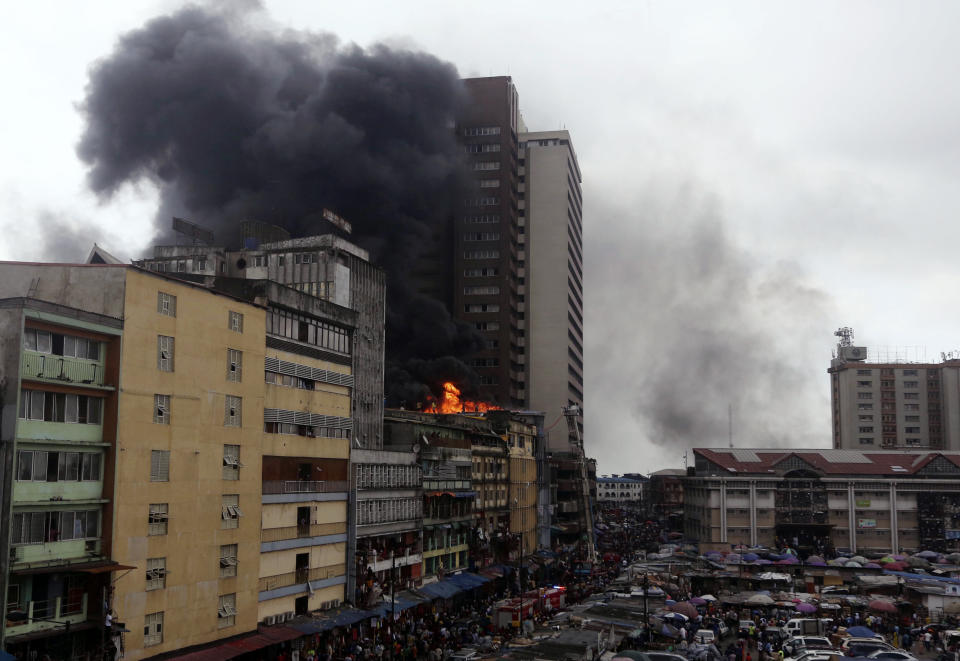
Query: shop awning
(440,590)
(280,634)
(344,618)
(218,653)
(468,581)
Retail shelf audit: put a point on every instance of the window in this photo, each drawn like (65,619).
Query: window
(89,466)
(864,372)
(161,409)
(308,329)
(59,407)
(489,183)
(228,560)
(913,441)
(866,430)
(232,411)
(156,573)
(911,395)
(260,260)
(868,417)
(910,372)
(486,165)
(234,365)
(231,462)
(481,254)
(864,407)
(911,407)
(153,629)
(157,519)
(481,236)
(481,130)
(864,395)
(164,353)
(866,441)
(235,322)
(864,384)
(912,430)
(481,291)
(35,340)
(40,527)
(911,418)
(166,304)
(227,610)
(159,465)
(911,384)
(487,325)
(230,511)
(487,218)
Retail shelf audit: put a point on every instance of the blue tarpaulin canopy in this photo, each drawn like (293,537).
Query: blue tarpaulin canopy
(439,590)
(467,581)
(344,618)
(386,608)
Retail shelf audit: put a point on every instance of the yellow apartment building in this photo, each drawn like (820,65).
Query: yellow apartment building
(188,467)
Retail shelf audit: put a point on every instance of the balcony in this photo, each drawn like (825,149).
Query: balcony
(60,369)
(401,561)
(303,532)
(54,553)
(303,491)
(43,615)
(274,487)
(300,576)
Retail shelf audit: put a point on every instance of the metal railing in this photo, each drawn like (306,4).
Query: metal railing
(272,487)
(300,576)
(50,611)
(61,368)
(296,532)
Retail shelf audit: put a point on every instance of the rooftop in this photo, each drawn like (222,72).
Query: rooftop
(922,463)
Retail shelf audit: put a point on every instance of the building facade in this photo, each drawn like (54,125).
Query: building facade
(487,262)
(223,429)
(59,376)
(551,247)
(856,500)
(894,405)
(621,490)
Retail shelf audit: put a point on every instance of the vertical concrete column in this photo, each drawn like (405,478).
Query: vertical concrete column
(723,510)
(852,517)
(894,523)
(753,512)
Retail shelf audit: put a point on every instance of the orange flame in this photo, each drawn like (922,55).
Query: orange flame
(450,402)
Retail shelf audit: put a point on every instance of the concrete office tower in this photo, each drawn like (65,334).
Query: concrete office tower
(551,245)
(894,405)
(486,263)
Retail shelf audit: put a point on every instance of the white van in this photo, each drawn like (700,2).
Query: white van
(805,627)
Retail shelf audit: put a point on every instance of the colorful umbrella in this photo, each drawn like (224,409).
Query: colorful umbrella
(806,608)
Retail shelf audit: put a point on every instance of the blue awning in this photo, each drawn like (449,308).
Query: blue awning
(344,618)
(468,581)
(385,608)
(7,656)
(464,494)
(440,590)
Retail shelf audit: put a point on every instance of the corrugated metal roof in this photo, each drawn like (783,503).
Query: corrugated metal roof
(745,456)
(845,457)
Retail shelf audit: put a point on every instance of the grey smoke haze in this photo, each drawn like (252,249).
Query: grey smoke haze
(703,327)
(232,120)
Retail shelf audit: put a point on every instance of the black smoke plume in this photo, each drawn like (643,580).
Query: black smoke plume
(231,120)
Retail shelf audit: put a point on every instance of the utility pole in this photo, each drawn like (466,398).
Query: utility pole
(572,413)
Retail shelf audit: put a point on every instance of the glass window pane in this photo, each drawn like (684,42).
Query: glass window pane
(71,412)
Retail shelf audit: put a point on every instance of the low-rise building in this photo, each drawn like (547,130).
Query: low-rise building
(862,501)
(621,490)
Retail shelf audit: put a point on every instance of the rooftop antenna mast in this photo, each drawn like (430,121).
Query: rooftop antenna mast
(846,336)
(192,231)
(730,424)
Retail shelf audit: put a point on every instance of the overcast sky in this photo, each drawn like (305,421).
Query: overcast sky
(755,176)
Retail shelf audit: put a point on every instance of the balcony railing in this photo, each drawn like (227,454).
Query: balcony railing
(46,614)
(297,532)
(300,576)
(436,483)
(61,368)
(273,487)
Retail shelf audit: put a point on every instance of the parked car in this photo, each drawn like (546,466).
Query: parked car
(814,655)
(794,646)
(892,655)
(743,626)
(705,636)
(863,646)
